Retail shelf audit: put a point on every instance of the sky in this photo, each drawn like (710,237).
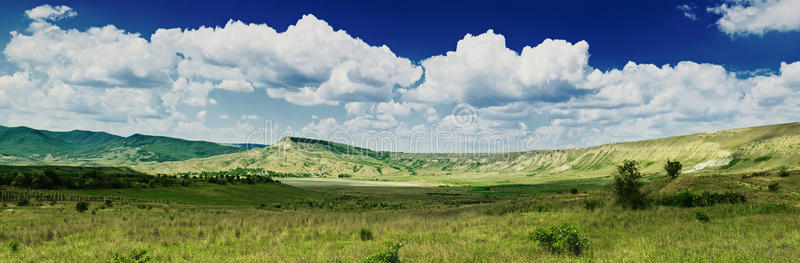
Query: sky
(415,76)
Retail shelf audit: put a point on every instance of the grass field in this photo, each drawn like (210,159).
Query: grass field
(321,222)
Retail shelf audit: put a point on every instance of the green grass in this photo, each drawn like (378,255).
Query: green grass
(248,195)
(490,223)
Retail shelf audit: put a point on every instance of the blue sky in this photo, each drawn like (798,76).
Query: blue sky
(729,64)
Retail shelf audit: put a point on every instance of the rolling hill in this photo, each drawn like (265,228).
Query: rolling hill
(27,146)
(726,151)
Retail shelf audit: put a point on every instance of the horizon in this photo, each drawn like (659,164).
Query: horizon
(354,144)
(320,70)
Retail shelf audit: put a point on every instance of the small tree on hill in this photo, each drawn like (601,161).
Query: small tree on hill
(627,187)
(82,206)
(673,168)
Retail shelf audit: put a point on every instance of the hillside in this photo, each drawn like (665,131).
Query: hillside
(27,146)
(727,151)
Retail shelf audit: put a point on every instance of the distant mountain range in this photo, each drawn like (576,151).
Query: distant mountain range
(23,145)
(766,148)
(246,146)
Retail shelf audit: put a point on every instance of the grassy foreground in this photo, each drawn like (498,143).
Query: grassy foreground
(213,223)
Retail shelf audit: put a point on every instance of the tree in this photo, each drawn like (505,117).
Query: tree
(20,180)
(40,181)
(627,187)
(673,168)
(82,206)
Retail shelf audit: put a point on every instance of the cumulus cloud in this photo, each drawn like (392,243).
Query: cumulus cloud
(756,17)
(48,12)
(105,78)
(646,101)
(310,63)
(106,74)
(483,71)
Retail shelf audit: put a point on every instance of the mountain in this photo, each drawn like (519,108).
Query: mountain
(726,151)
(23,145)
(246,146)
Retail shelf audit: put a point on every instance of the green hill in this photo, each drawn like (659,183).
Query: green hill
(26,146)
(729,151)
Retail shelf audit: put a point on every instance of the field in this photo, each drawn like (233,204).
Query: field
(306,200)
(322,221)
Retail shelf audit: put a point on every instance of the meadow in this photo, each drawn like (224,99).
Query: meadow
(349,221)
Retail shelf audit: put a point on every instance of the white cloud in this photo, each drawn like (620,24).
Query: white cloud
(48,12)
(236,85)
(99,57)
(756,17)
(483,71)
(308,64)
(104,78)
(688,11)
(250,117)
(646,101)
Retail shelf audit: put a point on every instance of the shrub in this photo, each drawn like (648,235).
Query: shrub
(13,245)
(688,199)
(82,206)
(23,202)
(762,158)
(365,234)
(389,254)
(702,216)
(773,187)
(108,203)
(135,256)
(673,168)
(573,191)
(627,187)
(783,171)
(564,238)
(345,176)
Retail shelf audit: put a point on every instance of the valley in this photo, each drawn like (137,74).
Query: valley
(303,200)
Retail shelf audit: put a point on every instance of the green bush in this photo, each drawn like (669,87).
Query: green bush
(82,206)
(702,216)
(627,187)
(13,245)
(573,191)
(135,256)
(23,202)
(673,168)
(389,254)
(564,238)
(783,171)
(688,199)
(773,187)
(365,234)
(108,203)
